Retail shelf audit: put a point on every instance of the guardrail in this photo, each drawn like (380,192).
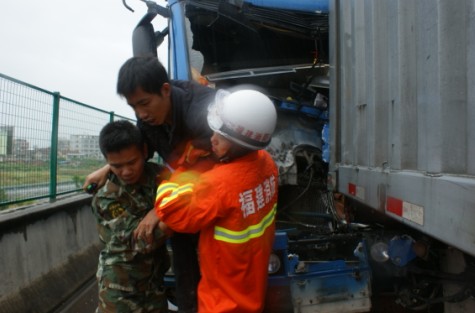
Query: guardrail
(45,139)
(48,252)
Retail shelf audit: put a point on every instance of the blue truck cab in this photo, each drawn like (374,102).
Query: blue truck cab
(279,47)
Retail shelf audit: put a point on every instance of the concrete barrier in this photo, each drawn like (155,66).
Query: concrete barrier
(48,252)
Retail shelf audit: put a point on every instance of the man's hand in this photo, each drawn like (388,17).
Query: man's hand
(144,230)
(96,179)
(165,229)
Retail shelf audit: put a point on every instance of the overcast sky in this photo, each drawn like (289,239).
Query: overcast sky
(73,47)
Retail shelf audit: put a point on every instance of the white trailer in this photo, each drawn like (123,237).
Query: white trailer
(402,106)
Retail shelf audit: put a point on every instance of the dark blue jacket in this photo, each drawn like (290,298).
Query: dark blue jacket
(190,108)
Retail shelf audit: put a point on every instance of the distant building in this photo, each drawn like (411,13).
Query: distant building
(6,140)
(20,147)
(85,146)
(64,145)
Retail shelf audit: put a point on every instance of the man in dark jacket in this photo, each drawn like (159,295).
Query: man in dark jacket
(171,115)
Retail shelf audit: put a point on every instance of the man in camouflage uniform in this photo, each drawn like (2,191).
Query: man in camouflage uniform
(130,270)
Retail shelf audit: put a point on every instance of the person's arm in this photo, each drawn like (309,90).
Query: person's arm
(187,207)
(165,229)
(98,177)
(148,236)
(146,226)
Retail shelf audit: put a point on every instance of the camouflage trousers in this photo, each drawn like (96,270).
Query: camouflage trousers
(117,300)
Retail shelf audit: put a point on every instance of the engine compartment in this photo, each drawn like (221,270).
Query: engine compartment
(284,54)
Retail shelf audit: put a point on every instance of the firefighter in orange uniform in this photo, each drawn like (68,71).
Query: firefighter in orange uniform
(233,205)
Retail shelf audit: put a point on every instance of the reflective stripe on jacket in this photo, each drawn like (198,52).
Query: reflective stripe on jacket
(233,206)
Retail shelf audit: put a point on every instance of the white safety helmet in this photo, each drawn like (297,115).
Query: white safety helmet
(246,117)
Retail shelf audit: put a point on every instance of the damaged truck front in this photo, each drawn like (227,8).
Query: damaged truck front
(327,257)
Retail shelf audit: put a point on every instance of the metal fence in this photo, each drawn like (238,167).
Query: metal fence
(48,143)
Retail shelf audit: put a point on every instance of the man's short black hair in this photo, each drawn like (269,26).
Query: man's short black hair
(119,135)
(146,73)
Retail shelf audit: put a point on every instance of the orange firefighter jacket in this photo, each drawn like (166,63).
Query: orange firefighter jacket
(233,206)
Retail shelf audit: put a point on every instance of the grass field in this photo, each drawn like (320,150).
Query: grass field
(23,174)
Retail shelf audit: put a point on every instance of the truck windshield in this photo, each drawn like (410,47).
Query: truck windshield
(227,41)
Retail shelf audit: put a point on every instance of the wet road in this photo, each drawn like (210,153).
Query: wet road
(84,301)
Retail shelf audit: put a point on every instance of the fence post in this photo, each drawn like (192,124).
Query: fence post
(111,116)
(54,148)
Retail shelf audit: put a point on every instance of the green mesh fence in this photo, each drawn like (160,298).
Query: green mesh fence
(48,143)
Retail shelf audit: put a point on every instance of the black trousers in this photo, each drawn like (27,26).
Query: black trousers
(186,269)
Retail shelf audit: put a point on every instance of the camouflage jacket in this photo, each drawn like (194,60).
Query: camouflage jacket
(119,208)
